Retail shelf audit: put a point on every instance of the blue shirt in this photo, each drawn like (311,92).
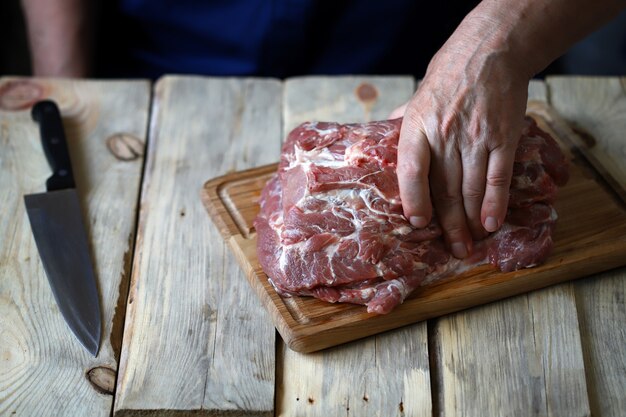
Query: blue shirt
(277,38)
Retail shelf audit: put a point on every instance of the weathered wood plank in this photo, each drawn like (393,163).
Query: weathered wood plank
(383,375)
(43,368)
(506,359)
(557,343)
(358,98)
(602,314)
(196,337)
(537,90)
(526,349)
(598,107)
(595,107)
(556,333)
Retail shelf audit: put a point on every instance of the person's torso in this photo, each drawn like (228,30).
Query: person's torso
(277,38)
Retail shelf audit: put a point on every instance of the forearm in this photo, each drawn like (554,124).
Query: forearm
(60,38)
(531,33)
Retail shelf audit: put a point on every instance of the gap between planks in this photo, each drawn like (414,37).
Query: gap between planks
(130,266)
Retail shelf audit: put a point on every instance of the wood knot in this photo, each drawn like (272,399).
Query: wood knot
(366,92)
(125,147)
(208,314)
(16,95)
(102,379)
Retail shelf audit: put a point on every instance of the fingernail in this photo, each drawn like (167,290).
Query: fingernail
(491,224)
(418,221)
(459,250)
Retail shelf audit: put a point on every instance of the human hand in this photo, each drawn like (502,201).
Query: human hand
(458,140)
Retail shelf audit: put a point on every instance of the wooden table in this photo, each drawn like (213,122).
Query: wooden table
(183,334)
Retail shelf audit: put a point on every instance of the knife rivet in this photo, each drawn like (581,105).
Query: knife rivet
(62,172)
(54,140)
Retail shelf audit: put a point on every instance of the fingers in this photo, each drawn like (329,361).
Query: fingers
(498,180)
(473,189)
(465,179)
(413,168)
(446,179)
(398,112)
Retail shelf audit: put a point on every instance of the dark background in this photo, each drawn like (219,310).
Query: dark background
(602,53)
(14,59)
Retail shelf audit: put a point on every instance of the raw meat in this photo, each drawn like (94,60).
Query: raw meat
(331,224)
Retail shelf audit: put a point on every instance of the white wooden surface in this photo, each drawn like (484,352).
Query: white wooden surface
(44,371)
(386,375)
(598,106)
(343,99)
(196,337)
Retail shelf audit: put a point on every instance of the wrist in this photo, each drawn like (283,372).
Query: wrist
(489,35)
(478,55)
(530,34)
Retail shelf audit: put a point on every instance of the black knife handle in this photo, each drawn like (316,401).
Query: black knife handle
(47,114)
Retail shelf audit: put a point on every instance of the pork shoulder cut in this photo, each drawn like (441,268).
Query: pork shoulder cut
(331,224)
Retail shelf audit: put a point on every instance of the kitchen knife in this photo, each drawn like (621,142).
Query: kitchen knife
(57,225)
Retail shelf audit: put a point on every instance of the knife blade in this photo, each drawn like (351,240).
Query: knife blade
(57,223)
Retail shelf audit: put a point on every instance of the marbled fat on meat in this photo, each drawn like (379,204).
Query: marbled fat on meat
(331,224)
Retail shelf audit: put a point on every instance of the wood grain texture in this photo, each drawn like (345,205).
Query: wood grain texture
(43,368)
(364,378)
(196,339)
(553,310)
(595,107)
(526,349)
(507,359)
(598,107)
(342,99)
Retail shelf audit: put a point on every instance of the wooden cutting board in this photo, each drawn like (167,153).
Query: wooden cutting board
(590,237)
